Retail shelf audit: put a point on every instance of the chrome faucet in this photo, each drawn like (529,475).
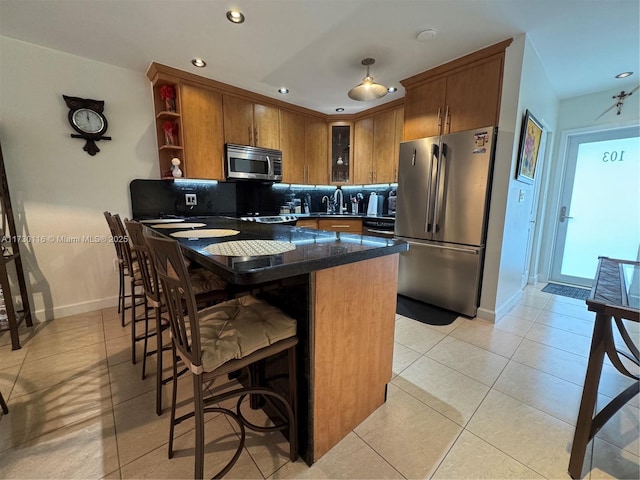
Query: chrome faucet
(326,200)
(338,199)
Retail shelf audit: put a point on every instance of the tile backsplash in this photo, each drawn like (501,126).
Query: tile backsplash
(152,198)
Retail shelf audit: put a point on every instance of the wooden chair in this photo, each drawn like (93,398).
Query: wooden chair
(137,295)
(219,340)
(3,404)
(208,289)
(122,269)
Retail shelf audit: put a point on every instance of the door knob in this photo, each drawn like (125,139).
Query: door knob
(563,214)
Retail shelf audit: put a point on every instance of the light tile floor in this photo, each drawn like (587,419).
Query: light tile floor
(467,400)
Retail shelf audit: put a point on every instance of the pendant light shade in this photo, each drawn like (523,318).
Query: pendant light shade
(368,89)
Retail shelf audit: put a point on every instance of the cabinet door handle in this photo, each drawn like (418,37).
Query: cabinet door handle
(375,176)
(250,132)
(256,135)
(447,119)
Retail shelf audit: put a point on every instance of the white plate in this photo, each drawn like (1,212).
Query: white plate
(163,220)
(182,225)
(205,233)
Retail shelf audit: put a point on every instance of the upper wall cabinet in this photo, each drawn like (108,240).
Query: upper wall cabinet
(461,95)
(376,147)
(292,144)
(340,151)
(248,123)
(316,136)
(202,132)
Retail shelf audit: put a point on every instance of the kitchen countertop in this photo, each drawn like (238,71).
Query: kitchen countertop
(315,249)
(361,216)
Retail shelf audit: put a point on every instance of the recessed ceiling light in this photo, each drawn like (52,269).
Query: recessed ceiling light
(283,90)
(198,62)
(624,74)
(339,109)
(235,16)
(426,35)
(392,89)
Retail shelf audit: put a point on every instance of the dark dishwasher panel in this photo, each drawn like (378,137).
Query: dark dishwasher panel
(379,227)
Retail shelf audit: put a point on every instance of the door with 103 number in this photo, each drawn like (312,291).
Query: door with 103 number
(599,213)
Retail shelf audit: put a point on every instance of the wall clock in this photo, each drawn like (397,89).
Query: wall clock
(86,118)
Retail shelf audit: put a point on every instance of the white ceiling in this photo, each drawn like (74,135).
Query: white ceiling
(314,47)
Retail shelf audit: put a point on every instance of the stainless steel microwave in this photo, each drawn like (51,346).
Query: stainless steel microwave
(253,163)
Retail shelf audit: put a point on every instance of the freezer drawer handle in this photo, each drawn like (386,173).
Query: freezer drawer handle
(455,249)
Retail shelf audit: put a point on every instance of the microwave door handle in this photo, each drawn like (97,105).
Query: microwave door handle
(269,171)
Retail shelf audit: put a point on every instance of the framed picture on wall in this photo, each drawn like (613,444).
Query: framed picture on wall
(530,139)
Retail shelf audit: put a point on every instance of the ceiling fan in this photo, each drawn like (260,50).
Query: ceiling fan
(620,101)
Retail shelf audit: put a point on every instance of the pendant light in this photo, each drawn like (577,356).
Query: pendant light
(368,89)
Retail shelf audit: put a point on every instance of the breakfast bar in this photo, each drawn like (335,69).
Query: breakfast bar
(341,288)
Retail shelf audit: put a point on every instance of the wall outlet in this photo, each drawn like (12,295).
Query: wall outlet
(190,199)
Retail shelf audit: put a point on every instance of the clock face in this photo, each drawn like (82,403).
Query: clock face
(88,121)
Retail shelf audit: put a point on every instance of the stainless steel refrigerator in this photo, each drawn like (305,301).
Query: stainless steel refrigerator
(442,207)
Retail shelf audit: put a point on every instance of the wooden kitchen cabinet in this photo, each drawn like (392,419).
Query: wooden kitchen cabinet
(473,96)
(202,132)
(248,123)
(307,223)
(340,152)
(384,138)
(341,225)
(292,144)
(316,144)
(167,150)
(423,109)
(376,147)
(461,95)
(363,151)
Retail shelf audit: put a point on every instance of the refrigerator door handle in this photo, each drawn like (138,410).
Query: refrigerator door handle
(413,158)
(473,251)
(430,186)
(439,190)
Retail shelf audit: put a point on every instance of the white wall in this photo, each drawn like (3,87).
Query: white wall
(525,86)
(56,188)
(575,115)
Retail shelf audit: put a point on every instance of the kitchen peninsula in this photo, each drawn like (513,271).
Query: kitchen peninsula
(341,288)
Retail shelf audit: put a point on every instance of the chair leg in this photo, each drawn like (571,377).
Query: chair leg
(174,398)
(198,407)
(133,322)
(159,355)
(293,402)
(145,343)
(3,404)
(123,295)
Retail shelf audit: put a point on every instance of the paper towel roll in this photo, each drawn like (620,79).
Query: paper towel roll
(372,208)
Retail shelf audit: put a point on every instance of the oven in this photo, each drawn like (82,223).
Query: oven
(378,227)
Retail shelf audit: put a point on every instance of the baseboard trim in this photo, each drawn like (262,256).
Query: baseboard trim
(495,315)
(75,309)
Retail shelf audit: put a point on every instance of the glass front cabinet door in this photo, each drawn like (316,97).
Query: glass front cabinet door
(340,151)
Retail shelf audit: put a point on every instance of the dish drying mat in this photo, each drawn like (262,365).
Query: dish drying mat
(205,233)
(182,225)
(163,220)
(249,248)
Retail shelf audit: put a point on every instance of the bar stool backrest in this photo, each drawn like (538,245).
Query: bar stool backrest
(120,239)
(114,236)
(179,298)
(143,256)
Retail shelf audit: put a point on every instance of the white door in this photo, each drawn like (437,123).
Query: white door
(599,213)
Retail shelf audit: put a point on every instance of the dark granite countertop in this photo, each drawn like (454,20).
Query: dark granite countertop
(315,250)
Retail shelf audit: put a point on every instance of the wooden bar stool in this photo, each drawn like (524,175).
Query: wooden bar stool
(219,340)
